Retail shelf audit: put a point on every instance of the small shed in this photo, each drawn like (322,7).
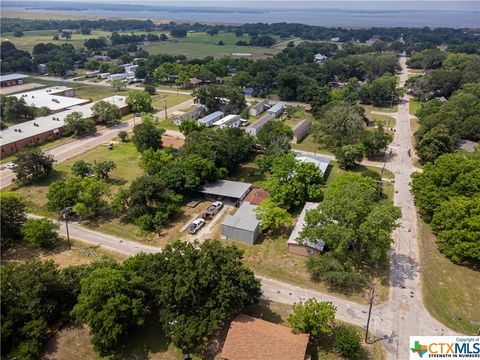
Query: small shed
(250,338)
(306,248)
(301,130)
(242,226)
(255,128)
(277,109)
(210,119)
(258,108)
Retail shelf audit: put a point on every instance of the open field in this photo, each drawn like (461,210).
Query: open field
(194,45)
(450,292)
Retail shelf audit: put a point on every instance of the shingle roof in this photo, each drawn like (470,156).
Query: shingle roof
(244,218)
(256,196)
(293,239)
(234,189)
(249,338)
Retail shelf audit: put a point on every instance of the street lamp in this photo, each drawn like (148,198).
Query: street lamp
(64,214)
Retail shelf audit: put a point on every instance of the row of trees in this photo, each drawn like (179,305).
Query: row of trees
(190,289)
(442,124)
(447,194)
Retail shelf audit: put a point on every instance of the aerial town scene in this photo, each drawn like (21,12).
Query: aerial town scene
(240,180)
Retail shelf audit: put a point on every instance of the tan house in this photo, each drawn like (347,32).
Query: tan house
(305,248)
(249,338)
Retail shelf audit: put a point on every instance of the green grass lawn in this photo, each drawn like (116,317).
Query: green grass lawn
(451,292)
(386,121)
(392,109)
(308,144)
(414,105)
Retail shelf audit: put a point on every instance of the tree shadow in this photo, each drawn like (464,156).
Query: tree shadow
(262,310)
(404,268)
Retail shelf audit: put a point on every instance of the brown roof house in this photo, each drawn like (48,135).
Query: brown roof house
(305,248)
(255,339)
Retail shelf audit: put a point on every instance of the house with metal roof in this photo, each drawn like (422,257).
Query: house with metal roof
(277,109)
(303,248)
(231,121)
(255,128)
(12,79)
(242,226)
(258,108)
(251,338)
(210,119)
(300,130)
(321,162)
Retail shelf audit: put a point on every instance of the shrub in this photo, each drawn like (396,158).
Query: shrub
(123,135)
(40,233)
(348,342)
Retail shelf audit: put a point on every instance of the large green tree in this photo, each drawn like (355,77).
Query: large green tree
(12,218)
(313,317)
(220,97)
(292,182)
(195,288)
(272,217)
(351,221)
(434,143)
(147,135)
(77,125)
(31,165)
(111,302)
(275,138)
(106,113)
(41,233)
(140,101)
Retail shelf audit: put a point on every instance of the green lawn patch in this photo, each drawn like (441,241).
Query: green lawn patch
(386,121)
(414,105)
(391,109)
(308,144)
(450,292)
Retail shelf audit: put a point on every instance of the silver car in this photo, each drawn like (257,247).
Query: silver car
(195,226)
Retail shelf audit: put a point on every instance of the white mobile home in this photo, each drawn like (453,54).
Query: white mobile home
(231,121)
(277,109)
(210,119)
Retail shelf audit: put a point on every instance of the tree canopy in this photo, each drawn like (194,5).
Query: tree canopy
(32,165)
(146,135)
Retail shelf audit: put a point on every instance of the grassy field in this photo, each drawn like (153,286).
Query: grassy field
(387,109)
(451,292)
(414,105)
(194,45)
(386,121)
(308,144)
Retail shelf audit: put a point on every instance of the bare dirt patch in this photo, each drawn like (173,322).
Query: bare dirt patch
(19,88)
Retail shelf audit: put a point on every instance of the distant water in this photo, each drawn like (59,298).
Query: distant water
(352,18)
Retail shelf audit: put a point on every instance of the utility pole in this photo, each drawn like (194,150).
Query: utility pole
(64,213)
(370,302)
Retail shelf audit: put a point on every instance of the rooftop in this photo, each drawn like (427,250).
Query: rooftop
(262,121)
(48,97)
(320,161)
(211,116)
(260,105)
(10,77)
(50,122)
(226,120)
(250,338)
(278,106)
(245,218)
(293,239)
(233,189)
(301,125)
(256,196)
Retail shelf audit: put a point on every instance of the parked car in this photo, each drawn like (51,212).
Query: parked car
(212,210)
(195,226)
(10,165)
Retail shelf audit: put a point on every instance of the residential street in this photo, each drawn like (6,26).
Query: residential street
(403,315)
(71,149)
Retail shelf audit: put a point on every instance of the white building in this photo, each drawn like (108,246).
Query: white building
(277,109)
(319,161)
(319,58)
(210,119)
(56,98)
(231,121)
(258,108)
(255,128)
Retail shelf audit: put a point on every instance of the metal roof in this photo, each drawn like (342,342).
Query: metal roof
(212,117)
(278,106)
(233,189)
(320,161)
(47,123)
(260,105)
(302,125)
(294,236)
(262,121)
(48,97)
(10,77)
(226,120)
(244,218)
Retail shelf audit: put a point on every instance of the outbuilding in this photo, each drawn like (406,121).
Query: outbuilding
(258,108)
(210,119)
(250,338)
(242,226)
(255,128)
(301,130)
(235,191)
(277,109)
(12,79)
(304,248)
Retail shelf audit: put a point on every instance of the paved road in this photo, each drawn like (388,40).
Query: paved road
(105,84)
(71,149)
